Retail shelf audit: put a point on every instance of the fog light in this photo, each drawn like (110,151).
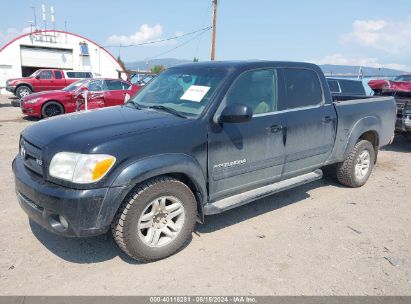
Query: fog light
(63,221)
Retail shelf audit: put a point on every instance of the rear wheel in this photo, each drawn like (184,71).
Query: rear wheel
(356,169)
(52,108)
(155,220)
(23,91)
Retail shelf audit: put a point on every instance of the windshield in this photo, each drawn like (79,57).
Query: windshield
(35,73)
(184,90)
(75,85)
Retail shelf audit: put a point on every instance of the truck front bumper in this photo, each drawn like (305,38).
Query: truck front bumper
(64,211)
(11,89)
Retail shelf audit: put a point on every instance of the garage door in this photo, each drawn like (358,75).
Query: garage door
(46,57)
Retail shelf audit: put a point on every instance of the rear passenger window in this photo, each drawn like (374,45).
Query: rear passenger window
(114,85)
(334,87)
(125,85)
(257,89)
(302,87)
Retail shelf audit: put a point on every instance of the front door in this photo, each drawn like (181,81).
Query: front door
(44,81)
(95,95)
(250,154)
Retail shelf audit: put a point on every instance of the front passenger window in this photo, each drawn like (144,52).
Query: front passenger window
(257,89)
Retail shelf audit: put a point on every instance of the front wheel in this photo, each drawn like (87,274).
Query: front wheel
(356,169)
(51,108)
(23,91)
(155,220)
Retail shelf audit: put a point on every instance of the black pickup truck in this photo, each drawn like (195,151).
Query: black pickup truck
(199,139)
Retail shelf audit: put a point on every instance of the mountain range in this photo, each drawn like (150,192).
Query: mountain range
(328,69)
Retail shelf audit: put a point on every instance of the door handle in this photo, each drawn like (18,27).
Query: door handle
(326,119)
(274,128)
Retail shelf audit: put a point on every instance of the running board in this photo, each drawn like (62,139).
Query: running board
(252,195)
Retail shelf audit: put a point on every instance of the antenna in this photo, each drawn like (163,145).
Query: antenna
(53,20)
(43,9)
(35,17)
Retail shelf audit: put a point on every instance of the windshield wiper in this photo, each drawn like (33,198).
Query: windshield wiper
(134,105)
(167,109)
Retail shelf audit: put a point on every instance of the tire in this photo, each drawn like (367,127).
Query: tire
(51,108)
(356,169)
(23,91)
(129,227)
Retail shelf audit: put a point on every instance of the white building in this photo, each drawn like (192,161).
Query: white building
(54,49)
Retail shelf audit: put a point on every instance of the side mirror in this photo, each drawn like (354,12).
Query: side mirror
(37,77)
(236,113)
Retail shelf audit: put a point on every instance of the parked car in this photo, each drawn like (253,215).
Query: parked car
(45,80)
(102,92)
(198,140)
(141,80)
(400,83)
(346,89)
(403,101)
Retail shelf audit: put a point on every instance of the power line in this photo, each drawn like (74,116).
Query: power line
(178,46)
(161,40)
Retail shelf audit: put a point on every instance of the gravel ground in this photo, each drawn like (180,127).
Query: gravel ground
(318,239)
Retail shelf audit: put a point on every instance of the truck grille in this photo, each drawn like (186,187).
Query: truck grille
(31,156)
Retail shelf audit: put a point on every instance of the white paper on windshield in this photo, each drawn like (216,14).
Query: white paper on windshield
(195,93)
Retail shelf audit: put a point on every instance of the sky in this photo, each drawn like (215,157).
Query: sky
(371,33)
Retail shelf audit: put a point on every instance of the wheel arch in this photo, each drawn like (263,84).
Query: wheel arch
(182,167)
(367,129)
(23,84)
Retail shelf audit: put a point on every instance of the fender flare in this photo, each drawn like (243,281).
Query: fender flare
(134,172)
(25,84)
(366,124)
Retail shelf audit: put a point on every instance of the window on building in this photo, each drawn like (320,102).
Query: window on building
(84,49)
(303,88)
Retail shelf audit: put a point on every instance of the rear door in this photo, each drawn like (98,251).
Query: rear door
(59,81)
(117,91)
(311,123)
(250,154)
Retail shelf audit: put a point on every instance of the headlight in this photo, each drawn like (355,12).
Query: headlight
(34,100)
(80,168)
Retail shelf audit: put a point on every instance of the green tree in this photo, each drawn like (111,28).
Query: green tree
(158,68)
(195,59)
(123,66)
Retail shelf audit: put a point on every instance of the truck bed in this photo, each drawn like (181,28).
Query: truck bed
(376,114)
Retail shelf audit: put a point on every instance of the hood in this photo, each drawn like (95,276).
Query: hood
(96,125)
(17,79)
(46,94)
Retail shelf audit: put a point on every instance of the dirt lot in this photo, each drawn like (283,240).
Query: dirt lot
(318,239)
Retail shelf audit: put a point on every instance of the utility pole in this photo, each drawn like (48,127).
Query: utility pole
(214,30)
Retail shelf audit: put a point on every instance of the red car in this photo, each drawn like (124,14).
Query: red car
(400,83)
(45,80)
(102,93)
